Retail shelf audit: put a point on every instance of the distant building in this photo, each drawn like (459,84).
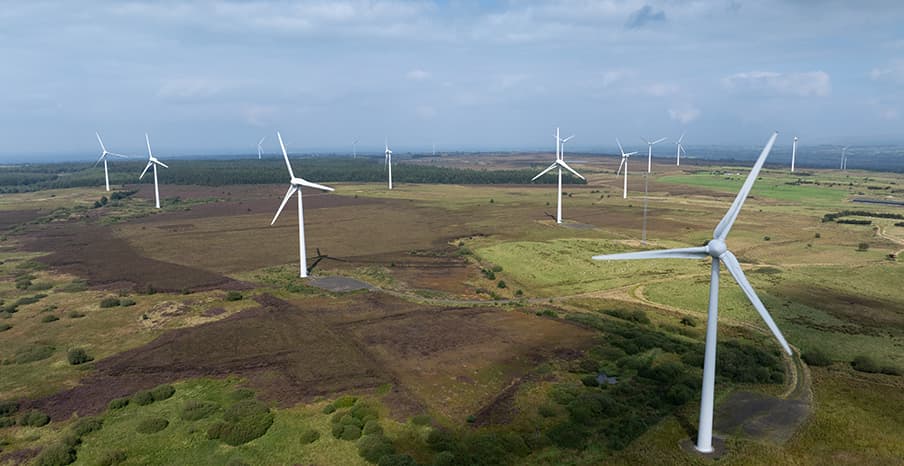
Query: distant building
(604,379)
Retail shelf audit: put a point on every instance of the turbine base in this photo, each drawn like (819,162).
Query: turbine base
(689,445)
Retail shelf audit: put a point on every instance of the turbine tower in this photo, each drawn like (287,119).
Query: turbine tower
(355,148)
(295,185)
(152,161)
(843,157)
(793,153)
(718,251)
(560,164)
(650,145)
(260,150)
(623,164)
(387,160)
(103,156)
(679,151)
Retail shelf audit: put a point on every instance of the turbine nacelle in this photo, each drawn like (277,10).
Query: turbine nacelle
(716,247)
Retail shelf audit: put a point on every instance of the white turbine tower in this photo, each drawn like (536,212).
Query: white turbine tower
(260,149)
(717,249)
(679,150)
(623,164)
(650,145)
(355,148)
(560,164)
(152,161)
(387,160)
(103,156)
(844,157)
(295,186)
(793,153)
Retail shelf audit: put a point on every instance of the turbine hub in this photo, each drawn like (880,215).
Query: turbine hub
(716,247)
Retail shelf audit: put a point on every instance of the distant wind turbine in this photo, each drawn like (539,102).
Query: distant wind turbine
(623,164)
(152,161)
(387,160)
(103,156)
(679,150)
(560,164)
(295,186)
(355,148)
(718,251)
(793,153)
(260,149)
(650,145)
(843,157)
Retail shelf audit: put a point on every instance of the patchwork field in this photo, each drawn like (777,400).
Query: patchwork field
(482,339)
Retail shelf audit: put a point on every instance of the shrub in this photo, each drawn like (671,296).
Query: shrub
(767,238)
(891,370)
(589,381)
(234,296)
(816,358)
(243,422)
(76,315)
(336,429)
(862,246)
(372,427)
(49,318)
(6,422)
(109,302)
(397,460)
(817,235)
(112,458)
(309,436)
(374,447)
(126,302)
(85,426)
(865,364)
(241,394)
(151,425)
(329,409)
(143,398)
(34,418)
(8,407)
(444,458)
(688,322)
(421,420)
(567,435)
(118,403)
(78,356)
(33,353)
(193,410)
(345,402)
(5,327)
(162,392)
(501,284)
(58,454)
(351,432)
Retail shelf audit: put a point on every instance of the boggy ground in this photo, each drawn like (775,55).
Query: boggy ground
(298,351)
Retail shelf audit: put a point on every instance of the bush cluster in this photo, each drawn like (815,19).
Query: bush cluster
(151,425)
(34,418)
(632,316)
(242,422)
(159,393)
(193,410)
(816,358)
(870,365)
(77,356)
(32,353)
(234,296)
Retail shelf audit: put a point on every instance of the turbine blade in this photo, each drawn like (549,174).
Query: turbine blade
(681,138)
(630,154)
(104,149)
(565,166)
(731,263)
(161,164)
(289,194)
(567,139)
(117,155)
(307,183)
(658,141)
(554,165)
(100,158)
(145,169)
(285,155)
(728,220)
(699,252)
(261,141)
(619,146)
(622,164)
(148,140)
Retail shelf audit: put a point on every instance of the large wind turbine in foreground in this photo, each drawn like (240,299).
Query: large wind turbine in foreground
(103,156)
(623,164)
(680,150)
(560,164)
(718,250)
(793,153)
(650,145)
(387,160)
(152,161)
(295,186)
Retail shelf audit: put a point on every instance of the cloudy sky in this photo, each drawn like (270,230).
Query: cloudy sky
(215,76)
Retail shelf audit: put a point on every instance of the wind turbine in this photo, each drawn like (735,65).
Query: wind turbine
(260,149)
(560,164)
(680,150)
(295,185)
(103,156)
(624,163)
(718,250)
(387,160)
(152,161)
(793,153)
(650,145)
(843,157)
(355,148)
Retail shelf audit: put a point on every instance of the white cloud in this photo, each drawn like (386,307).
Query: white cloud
(191,88)
(812,83)
(659,89)
(893,72)
(684,115)
(417,75)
